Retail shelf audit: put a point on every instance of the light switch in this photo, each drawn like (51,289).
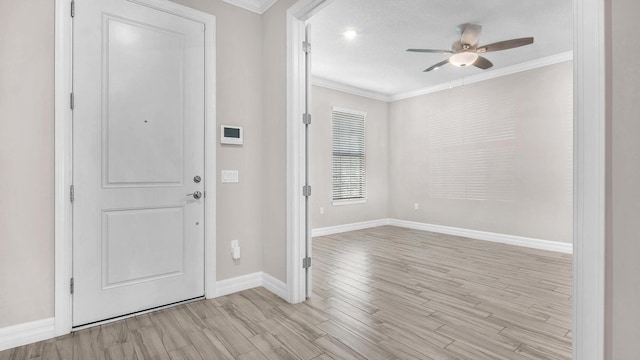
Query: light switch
(230,176)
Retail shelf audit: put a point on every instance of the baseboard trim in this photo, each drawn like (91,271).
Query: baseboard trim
(330,230)
(540,244)
(26,333)
(566,248)
(274,285)
(250,281)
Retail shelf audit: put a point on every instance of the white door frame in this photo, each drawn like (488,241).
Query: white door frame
(64,151)
(589,168)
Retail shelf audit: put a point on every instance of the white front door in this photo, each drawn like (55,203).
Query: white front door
(138,140)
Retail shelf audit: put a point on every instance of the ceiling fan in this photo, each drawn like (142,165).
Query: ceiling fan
(466,51)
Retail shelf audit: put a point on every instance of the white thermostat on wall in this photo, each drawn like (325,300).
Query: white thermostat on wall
(231,135)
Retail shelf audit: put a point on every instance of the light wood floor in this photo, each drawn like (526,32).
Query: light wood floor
(383,293)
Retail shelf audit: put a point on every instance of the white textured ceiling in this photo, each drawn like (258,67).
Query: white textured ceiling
(377,61)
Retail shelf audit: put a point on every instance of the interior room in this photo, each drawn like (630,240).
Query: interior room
(153,187)
(406,164)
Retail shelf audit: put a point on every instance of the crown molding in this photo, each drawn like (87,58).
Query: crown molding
(256,6)
(334,85)
(487,75)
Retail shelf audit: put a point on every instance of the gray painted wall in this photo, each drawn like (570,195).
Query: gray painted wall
(26,161)
(274,144)
(528,171)
(624,185)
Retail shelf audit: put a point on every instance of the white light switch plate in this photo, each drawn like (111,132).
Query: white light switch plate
(230,176)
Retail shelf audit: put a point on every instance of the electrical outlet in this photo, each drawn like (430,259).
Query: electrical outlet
(321,211)
(416,206)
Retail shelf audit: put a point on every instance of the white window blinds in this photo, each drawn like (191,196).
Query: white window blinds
(471,149)
(349,161)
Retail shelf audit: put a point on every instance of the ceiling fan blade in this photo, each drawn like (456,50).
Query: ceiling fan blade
(431,51)
(482,63)
(469,33)
(504,45)
(436,66)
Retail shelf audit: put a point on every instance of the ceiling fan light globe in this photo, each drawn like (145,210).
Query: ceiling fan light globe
(463,59)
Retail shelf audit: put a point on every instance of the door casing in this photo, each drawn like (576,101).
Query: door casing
(64,151)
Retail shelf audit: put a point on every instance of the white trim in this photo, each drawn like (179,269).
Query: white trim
(348,202)
(353,90)
(274,285)
(488,75)
(63,151)
(337,229)
(250,281)
(485,75)
(296,233)
(589,180)
(349,111)
(238,283)
(63,162)
(556,246)
(295,160)
(26,333)
(256,6)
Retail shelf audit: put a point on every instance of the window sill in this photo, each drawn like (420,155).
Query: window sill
(348,202)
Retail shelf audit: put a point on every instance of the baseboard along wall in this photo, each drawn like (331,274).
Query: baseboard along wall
(26,333)
(566,248)
(250,281)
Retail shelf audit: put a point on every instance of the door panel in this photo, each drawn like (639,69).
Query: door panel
(143,141)
(148,242)
(138,125)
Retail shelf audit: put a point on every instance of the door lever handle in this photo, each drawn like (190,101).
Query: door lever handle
(196,195)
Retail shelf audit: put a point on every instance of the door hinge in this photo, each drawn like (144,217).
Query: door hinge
(306,47)
(71,101)
(306,119)
(72,195)
(73,8)
(306,190)
(306,263)
(71,286)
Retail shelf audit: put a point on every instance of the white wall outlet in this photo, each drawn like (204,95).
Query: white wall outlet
(321,211)
(235,249)
(416,206)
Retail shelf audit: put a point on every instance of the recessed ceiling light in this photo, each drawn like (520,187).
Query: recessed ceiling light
(350,34)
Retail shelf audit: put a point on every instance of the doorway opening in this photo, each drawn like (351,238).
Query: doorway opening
(588,218)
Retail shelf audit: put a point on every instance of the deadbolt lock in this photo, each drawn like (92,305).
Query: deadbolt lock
(197,179)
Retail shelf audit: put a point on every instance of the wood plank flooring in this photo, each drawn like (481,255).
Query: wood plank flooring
(382,293)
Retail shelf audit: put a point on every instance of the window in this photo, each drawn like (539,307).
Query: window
(471,149)
(349,163)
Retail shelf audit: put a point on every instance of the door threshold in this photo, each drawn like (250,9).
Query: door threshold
(133,314)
